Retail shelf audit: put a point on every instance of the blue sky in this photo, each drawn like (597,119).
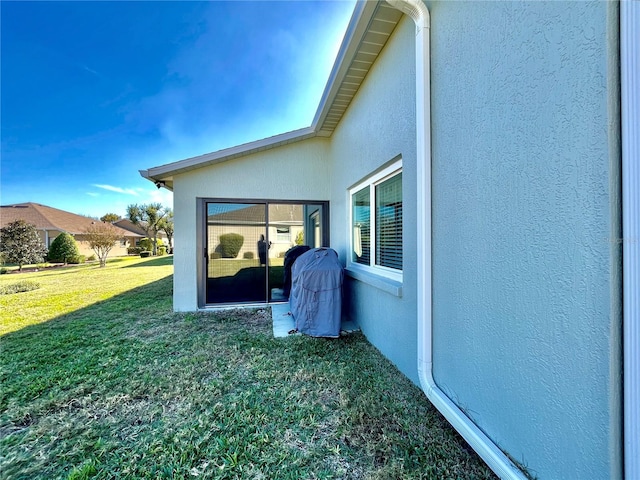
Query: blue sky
(92,92)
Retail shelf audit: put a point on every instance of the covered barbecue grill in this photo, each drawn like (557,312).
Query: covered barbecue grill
(316,293)
(289,259)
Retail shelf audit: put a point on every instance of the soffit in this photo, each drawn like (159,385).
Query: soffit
(382,24)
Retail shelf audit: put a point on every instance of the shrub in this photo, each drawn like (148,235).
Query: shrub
(147,244)
(4,270)
(92,258)
(162,250)
(248,255)
(76,259)
(22,286)
(134,250)
(215,255)
(145,253)
(230,244)
(63,248)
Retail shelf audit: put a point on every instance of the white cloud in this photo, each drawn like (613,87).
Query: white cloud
(126,191)
(93,194)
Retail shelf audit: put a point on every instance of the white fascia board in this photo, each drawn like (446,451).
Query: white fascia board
(358,25)
(157,173)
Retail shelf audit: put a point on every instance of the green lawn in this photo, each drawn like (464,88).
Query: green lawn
(100,379)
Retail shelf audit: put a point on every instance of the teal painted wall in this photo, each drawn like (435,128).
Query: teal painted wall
(526,282)
(378,126)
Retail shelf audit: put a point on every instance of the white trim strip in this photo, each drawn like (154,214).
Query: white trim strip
(630,109)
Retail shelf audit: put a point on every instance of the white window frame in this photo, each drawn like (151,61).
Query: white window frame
(283,237)
(371,182)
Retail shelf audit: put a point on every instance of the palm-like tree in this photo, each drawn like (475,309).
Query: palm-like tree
(148,217)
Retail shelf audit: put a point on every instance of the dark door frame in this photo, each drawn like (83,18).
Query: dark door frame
(201,236)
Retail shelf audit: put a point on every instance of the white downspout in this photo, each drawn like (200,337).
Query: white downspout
(483,445)
(630,110)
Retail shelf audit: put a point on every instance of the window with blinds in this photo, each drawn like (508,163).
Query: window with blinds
(376,222)
(389,222)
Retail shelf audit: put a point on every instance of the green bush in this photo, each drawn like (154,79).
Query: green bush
(147,244)
(230,244)
(162,250)
(4,270)
(145,253)
(22,286)
(134,250)
(92,258)
(76,259)
(215,255)
(248,255)
(63,248)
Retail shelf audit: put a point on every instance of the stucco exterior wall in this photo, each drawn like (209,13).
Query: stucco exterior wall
(526,207)
(297,171)
(526,277)
(378,126)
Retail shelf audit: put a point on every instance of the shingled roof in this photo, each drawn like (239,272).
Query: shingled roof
(49,218)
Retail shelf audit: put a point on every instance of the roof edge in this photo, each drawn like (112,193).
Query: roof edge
(157,173)
(356,29)
(362,14)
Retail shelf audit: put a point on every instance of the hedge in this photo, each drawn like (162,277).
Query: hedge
(230,244)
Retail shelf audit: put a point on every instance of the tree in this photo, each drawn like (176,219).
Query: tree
(21,244)
(102,237)
(63,248)
(110,217)
(148,217)
(166,226)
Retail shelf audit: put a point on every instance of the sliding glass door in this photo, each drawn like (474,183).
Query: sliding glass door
(236,262)
(246,246)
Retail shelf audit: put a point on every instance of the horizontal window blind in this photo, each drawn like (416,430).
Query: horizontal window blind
(388,222)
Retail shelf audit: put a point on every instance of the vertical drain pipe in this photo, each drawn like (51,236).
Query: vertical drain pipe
(630,109)
(482,444)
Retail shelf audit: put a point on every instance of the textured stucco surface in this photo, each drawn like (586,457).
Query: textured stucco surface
(379,126)
(525,202)
(525,185)
(297,171)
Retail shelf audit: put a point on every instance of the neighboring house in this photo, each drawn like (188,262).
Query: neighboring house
(470,168)
(51,222)
(129,226)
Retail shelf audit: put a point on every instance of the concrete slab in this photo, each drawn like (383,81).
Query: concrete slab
(282,320)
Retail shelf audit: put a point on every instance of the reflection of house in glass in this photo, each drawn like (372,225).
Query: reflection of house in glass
(246,245)
(286,226)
